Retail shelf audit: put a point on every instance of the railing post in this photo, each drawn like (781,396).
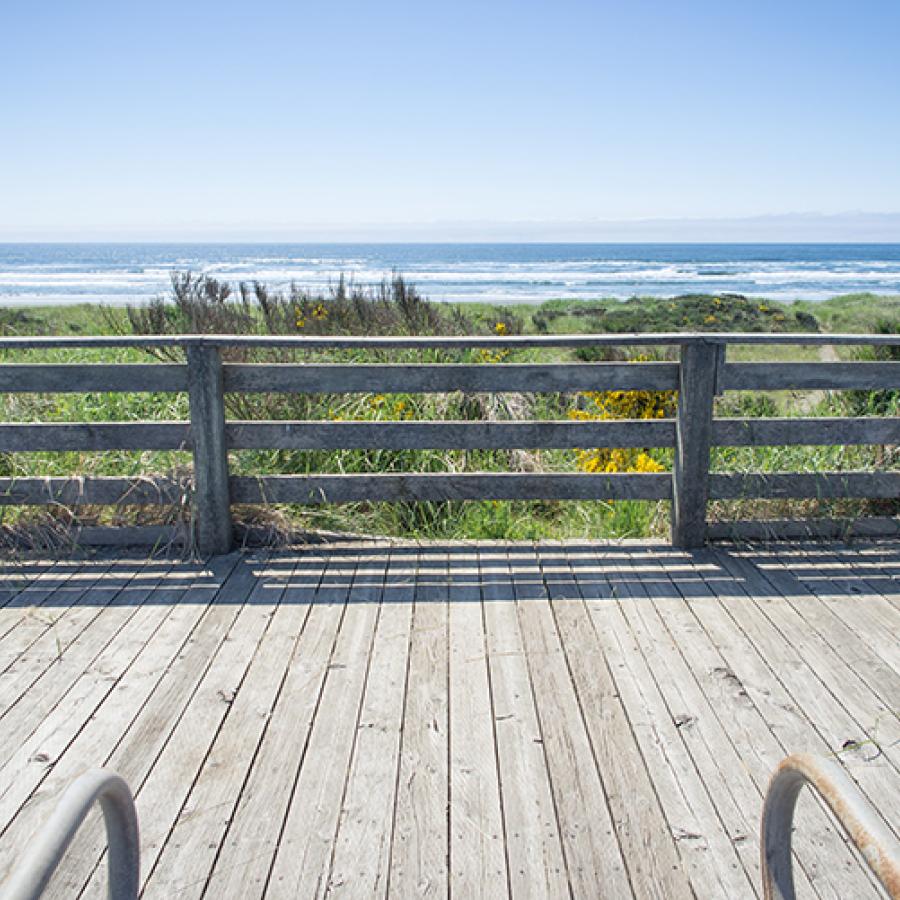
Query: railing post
(211,502)
(697,377)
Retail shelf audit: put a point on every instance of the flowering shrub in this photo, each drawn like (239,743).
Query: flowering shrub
(622,405)
(492,356)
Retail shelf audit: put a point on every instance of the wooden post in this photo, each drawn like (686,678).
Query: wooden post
(211,503)
(693,434)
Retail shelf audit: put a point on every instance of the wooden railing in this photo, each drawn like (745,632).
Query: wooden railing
(701,373)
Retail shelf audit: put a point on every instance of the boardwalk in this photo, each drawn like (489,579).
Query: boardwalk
(481,721)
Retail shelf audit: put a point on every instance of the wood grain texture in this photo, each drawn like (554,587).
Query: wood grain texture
(789,530)
(33,437)
(436,378)
(99,490)
(816,431)
(320,584)
(54,378)
(532,830)
(811,376)
(126,733)
(303,859)
(652,861)
(317,489)
(798,485)
(690,474)
(677,338)
(594,858)
(507,719)
(360,862)
(210,502)
(477,859)
(420,843)
(445,435)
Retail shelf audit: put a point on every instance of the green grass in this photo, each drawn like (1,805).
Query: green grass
(513,520)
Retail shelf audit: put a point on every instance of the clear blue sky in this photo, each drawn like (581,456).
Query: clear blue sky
(183,119)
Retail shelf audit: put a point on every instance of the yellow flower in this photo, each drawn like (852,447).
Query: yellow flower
(500,328)
(621,405)
(710,320)
(300,321)
(320,312)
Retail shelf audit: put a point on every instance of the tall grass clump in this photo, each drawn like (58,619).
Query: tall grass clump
(201,304)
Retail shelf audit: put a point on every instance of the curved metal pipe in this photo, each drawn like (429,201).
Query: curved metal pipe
(32,876)
(874,841)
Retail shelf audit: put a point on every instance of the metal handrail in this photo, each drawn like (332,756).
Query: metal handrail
(875,842)
(120,817)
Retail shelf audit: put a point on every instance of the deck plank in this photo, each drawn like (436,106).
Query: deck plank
(361,858)
(419,850)
(477,857)
(593,857)
(534,850)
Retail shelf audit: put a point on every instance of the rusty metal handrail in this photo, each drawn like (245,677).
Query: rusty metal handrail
(120,817)
(875,842)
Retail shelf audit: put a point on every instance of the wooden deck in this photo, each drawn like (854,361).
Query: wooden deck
(483,720)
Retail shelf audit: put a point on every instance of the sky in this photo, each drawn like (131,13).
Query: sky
(277,120)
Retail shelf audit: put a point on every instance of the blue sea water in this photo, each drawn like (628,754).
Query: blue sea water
(497,273)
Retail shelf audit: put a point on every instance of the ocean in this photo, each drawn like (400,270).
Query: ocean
(494,273)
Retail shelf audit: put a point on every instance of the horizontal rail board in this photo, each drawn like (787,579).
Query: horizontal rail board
(791,529)
(824,431)
(447,435)
(100,491)
(435,378)
(318,489)
(69,379)
(810,376)
(34,437)
(412,342)
(820,485)
(158,536)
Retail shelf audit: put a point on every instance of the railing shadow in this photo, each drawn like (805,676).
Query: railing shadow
(456,573)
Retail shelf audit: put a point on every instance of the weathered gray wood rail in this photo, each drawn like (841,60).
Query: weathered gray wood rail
(701,373)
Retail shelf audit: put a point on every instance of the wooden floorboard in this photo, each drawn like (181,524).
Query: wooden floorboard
(449,719)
